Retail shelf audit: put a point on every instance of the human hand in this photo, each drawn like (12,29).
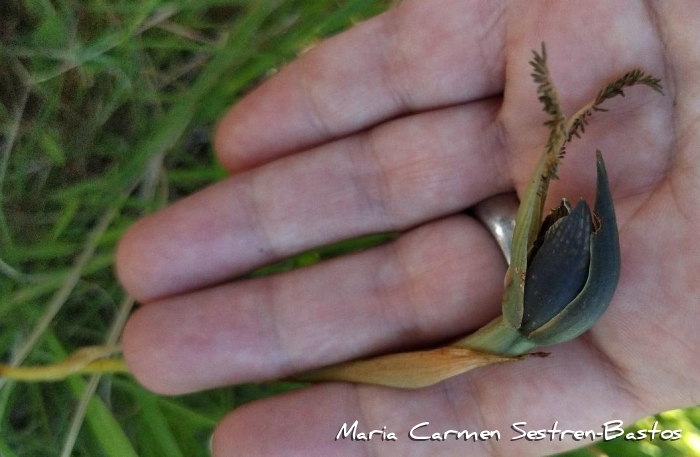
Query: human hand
(399,124)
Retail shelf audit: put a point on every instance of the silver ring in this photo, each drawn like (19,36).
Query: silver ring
(498,214)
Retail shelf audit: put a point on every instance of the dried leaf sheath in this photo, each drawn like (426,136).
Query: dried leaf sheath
(408,370)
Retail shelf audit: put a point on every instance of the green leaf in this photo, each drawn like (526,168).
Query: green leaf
(104,426)
(52,149)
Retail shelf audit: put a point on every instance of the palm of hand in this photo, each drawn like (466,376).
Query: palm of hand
(470,138)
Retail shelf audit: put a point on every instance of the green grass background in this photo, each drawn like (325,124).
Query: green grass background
(106,111)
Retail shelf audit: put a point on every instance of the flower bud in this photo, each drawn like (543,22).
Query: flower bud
(573,269)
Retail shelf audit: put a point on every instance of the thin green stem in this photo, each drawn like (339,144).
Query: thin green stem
(497,337)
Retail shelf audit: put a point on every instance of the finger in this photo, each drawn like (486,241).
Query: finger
(539,392)
(417,56)
(391,178)
(436,282)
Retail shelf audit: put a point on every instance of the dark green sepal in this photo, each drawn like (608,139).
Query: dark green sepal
(604,273)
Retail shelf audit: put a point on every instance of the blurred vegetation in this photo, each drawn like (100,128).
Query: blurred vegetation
(106,107)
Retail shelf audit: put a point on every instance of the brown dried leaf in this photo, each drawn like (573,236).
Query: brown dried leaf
(407,370)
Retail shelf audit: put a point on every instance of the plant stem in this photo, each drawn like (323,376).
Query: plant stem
(86,360)
(497,337)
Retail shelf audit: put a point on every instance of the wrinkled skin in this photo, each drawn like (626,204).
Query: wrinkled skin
(399,124)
